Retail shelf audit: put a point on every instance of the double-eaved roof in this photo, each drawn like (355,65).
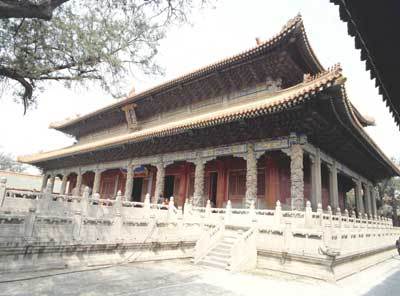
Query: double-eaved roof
(291,40)
(322,94)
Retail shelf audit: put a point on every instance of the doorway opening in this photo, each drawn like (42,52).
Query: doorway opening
(213,188)
(169,186)
(137,189)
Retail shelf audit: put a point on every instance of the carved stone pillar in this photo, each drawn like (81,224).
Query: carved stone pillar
(129,183)
(198,195)
(96,182)
(44,182)
(358,196)
(78,184)
(333,186)
(63,184)
(50,185)
(52,181)
(373,201)
(316,185)
(296,176)
(159,191)
(367,195)
(251,176)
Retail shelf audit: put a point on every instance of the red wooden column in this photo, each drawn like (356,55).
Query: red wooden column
(272,191)
(182,184)
(222,196)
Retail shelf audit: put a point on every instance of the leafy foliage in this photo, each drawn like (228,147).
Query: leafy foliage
(7,163)
(389,195)
(96,40)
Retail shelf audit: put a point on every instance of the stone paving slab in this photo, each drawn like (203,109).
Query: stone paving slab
(183,278)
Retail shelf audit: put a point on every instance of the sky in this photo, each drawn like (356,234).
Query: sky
(214,34)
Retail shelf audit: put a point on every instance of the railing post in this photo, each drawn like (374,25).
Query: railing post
(187,209)
(252,212)
(228,212)
(207,212)
(29,224)
(77,220)
(329,210)
(339,214)
(320,213)
(308,215)
(146,206)
(84,201)
(117,221)
(278,214)
(44,202)
(3,183)
(79,213)
(171,210)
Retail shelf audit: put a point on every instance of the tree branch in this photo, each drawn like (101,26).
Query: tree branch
(28,88)
(27,9)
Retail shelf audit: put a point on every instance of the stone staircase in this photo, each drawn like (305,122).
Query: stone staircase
(219,256)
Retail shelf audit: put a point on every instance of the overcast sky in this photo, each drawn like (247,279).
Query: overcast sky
(214,34)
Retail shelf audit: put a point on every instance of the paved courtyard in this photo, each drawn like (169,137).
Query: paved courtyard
(182,278)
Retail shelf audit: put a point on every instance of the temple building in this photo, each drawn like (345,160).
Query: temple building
(267,124)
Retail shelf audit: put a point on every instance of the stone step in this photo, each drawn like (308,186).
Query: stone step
(219,252)
(212,258)
(228,240)
(223,246)
(227,244)
(213,264)
(231,236)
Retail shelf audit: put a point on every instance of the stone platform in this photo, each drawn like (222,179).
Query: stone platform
(183,278)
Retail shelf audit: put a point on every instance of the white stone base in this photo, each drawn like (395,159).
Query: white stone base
(324,268)
(51,256)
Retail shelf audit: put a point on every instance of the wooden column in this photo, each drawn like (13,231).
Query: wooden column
(96,182)
(150,182)
(373,201)
(333,187)
(182,185)
(272,182)
(78,184)
(222,181)
(368,203)
(358,196)
(316,180)
(63,184)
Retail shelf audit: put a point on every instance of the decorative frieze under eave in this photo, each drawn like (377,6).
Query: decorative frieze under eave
(130,115)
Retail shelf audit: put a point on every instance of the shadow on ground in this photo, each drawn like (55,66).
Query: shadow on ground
(132,279)
(388,287)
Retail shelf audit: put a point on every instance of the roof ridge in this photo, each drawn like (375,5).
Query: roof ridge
(289,26)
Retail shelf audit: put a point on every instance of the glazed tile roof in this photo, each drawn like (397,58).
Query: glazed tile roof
(291,25)
(269,104)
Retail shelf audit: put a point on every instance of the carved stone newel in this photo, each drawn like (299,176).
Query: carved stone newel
(296,176)
(251,176)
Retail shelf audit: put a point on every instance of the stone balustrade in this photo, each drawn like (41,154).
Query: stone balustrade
(32,217)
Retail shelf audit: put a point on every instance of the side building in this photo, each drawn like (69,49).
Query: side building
(267,124)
